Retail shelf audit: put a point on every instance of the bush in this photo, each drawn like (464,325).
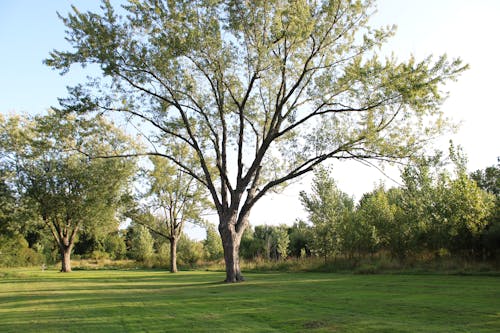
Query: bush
(162,258)
(14,252)
(99,255)
(114,244)
(189,252)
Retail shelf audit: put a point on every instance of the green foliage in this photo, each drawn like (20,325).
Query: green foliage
(175,196)
(163,255)
(386,224)
(282,241)
(114,245)
(489,180)
(213,244)
(141,244)
(328,208)
(173,199)
(266,242)
(449,212)
(250,247)
(14,252)
(7,204)
(190,252)
(300,239)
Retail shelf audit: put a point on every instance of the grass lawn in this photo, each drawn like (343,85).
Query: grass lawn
(157,301)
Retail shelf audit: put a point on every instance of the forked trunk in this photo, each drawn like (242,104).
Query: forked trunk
(173,255)
(65,259)
(231,244)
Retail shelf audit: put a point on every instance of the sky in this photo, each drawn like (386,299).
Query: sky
(468,29)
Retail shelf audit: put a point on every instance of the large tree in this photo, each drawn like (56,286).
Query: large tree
(69,191)
(260,91)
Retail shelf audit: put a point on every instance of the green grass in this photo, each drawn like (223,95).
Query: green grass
(157,301)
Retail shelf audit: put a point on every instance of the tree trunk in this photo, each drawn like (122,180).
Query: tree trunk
(231,244)
(173,255)
(65,259)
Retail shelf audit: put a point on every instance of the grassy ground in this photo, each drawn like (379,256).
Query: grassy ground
(156,301)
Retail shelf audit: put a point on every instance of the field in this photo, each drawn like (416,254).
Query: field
(157,301)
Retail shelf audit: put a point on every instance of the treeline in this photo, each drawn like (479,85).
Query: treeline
(57,202)
(439,211)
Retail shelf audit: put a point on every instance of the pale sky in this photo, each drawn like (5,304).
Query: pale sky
(469,29)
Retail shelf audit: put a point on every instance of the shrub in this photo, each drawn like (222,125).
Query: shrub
(14,252)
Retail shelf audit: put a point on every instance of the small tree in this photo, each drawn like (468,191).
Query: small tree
(212,244)
(174,198)
(190,251)
(251,247)
(328,207)
(300,239)
(141,244)
(489,178)
(378,214)
(282,241)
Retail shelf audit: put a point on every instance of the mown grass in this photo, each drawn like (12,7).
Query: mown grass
(157,301)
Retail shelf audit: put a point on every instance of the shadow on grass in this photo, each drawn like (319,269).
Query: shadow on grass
(157,301)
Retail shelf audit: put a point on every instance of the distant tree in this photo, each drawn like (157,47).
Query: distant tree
(450,210)
(190,251)
(17,215)
(358,237)
(376,211)
(140,243)
(264,241)
(173,199)
(269,242)
(282,241)
(7,205)
(251,247)
(469,209)
(489,180)
(15,252)
(114,244)
(300,239)
(85,244)
(328,208)
(70,191)
(212,244)
(262,90)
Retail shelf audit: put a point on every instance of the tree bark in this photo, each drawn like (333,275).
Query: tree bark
(173,255)
(65,259)
(231,244)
